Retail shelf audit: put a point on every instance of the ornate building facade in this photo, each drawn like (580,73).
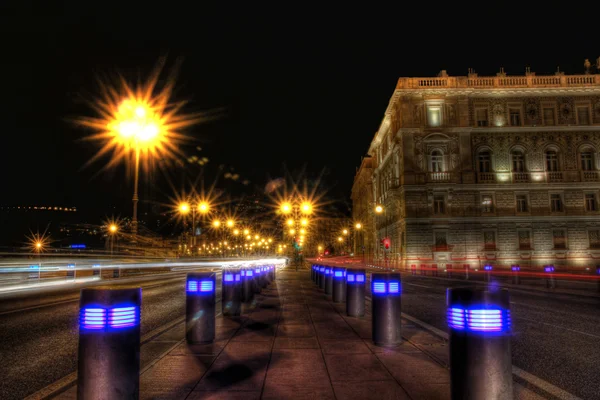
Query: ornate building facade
(498,170)
(362,208)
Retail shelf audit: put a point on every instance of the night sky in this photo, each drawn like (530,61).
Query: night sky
(299,88)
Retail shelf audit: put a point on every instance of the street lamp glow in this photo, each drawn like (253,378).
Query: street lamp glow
(290,222)
(184,208)
(345,231)
(378,209)
(270,240)
(340,239)
(256,237)
(304,222)
(320,248)
(216,223)
(246,231)
(306,208)
(358,225)
(113,228)
(302,231)
(292,231)
(285,207)
(248,237)
(203,207)
(230,223)
(236,232)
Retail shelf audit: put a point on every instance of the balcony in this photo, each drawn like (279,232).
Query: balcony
(486,177)
(589,176)
(439,177)
(554,176)
(520,177)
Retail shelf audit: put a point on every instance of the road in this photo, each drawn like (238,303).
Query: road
(39,344)
(555,336)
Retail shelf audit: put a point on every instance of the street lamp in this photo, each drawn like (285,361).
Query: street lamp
(185,208)
(379,209)
(112,229)
(358,227)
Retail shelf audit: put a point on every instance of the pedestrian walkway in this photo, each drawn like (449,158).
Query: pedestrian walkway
(294,343)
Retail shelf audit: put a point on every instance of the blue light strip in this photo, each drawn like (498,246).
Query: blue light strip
(92,318)
(249,273)
(479,320)
(228,277)
(515,268)
(192,286)
(327,271)
(394,287)
(122,317)
(257,270)
(206,286)
(96,318)
(350,277)
(487,267)
(338,274)
(378,287)
(549,268)
(238,277)
(243,273)
(360,278)
(322,269)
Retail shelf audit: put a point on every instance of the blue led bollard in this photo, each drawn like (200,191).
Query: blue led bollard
(256,285)
(322,277)
(247,276)
(550,282)
(480,357)
(598,277)
(200,307)
(386,309)
(355,292)
(312,272)
(338,286)
(108,364)
(515,272)
(488,272)
(231,292)
(328,281)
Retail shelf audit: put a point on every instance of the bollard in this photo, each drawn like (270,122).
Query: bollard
(256,280)
(317,275)
(108,364)
(516,279)
(550,282)
(386,304)
(598,277)
(263,277)
(322,277)
(355,292)
(480,359)
(488,272)
(231,293)
(247,289)
(312,272)
(328,281)
(200,307)
(338,293)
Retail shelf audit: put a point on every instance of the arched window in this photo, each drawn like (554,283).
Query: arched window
(485,161)
(551,160)
(587,160)
(518,161)
(437,161)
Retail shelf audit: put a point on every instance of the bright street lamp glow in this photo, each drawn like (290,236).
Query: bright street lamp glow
(230,223)
(256,237)
(285,207)
(379,209)
(306,208)
(345,231)
(236,232)
(290,222)
(112,228)
(340,239)
(203,207)
(292,231)
(358,225)
(216,223)
(304,222)
(184,208)
(246,231)
(302,231)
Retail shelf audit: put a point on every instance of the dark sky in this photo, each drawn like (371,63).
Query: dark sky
(300,87)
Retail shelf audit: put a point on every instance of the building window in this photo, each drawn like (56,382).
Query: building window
(556,204)
(514,116)
(481,116)
(551,160)
(518,161)
(434,116)
(583,115)
(522,203)
(591,204)
(524,240)
(437,161)
(559,239)
(485,161)
(548,114)
(487,203)
(594,236)
(587,161)
(489,240)
(439,206)
(441,241)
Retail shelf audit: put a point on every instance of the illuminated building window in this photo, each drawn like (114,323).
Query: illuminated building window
(487,203)
(559,239)
(594,237)
(556,203)
(522,203)
(481,117)
(434,116)
(514,116)
(591,204)
(524,240)
(437,161)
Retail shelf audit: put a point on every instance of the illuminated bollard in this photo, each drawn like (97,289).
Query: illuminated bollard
(231,292)
(312,273)
(328,281)
(262,280)
(550,282)
(247,276)
(488,272)
(200,307)
(386,303)
(480,357)
(322,277)
(598,277)
(256,280)
(355,292)
(516,270)
(338,292)
(108,364)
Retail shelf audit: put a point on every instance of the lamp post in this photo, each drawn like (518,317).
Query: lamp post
(357,229)
(296,213)
(112,229)
(379,209)
(185,208)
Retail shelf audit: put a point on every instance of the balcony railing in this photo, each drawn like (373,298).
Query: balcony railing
(589,176)
(485,82)
(486,177)
(554,176)
(520,177)
(436,177)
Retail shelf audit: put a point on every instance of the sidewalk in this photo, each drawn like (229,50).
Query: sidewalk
(294,343)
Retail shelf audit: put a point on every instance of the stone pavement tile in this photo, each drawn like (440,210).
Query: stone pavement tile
(185,349)
(522,393)
(329,316)
(367,390)
(151,350)
(174,334)
(296,343)
(70,394)
(361,326)
(414,367)
(337,346)
(333,330)
(428,390)
(439,352)
(224,395)
(295,317)
(419,336)
(274,391)
(173,377)
(225,332)
(297,367)
(241,366)
(296,331)
(404,347)
(356,367)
